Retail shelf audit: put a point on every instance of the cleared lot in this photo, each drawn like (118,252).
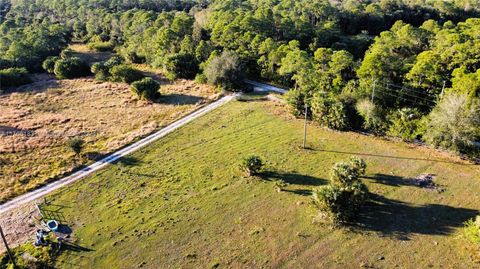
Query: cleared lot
(183,202)
(37,121)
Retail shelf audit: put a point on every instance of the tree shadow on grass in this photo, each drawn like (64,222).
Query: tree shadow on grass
(10,131)
(128,161)
(401,220)
(301,192)
(293,179)
(68,250)
(180,99)
(390,180)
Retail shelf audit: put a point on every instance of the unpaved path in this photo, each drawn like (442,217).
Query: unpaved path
(40,192)
(262,87)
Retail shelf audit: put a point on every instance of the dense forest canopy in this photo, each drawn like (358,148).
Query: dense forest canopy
(401,55)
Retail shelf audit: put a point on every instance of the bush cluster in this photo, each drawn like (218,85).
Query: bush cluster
(146,88)
(454,124)
(36,257)
(252,164)
(76,144)
(405,123)
(342,198)
(114,69)
(472,230)
(181,65)
(102,69)
(296,102)
(329,112)
(49,64)
(13,77)
(101,45)
(68,68)
(125,73)
(374,119)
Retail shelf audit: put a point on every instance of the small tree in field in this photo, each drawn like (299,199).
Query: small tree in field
(341,199)
(345,174)
(252,165)
(76,144)
(146,88)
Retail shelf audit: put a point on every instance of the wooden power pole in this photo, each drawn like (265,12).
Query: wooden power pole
(8,249)
(305,128)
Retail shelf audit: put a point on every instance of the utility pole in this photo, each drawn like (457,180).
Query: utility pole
(373,91)
(305,128)
(8,249)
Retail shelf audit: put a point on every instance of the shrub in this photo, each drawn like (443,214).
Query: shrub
(329,112)
(347,173)
(252,164)
(472,230)
(181,65)
(454,123)
(114,61)
(349,102)
(225,71)
(125,73)
(147,88)
(66,53)
(341,204)
(341,199)
(4,63)
(49,64)
(76,144)
(200,78)
(36,257)
(12,77)
(133,57)
(101,71)
(101,45)
(405,124)
(296,102)
(374,119)
(70,68)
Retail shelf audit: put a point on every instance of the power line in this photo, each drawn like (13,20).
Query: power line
(408,89)
(403,94)
(407,96)
(397,96)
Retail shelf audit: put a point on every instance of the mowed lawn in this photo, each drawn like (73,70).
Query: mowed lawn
(183,202)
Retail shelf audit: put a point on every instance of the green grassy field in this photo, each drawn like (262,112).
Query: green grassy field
(183,202)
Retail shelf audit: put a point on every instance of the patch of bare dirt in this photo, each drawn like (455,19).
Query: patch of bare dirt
(19,225)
